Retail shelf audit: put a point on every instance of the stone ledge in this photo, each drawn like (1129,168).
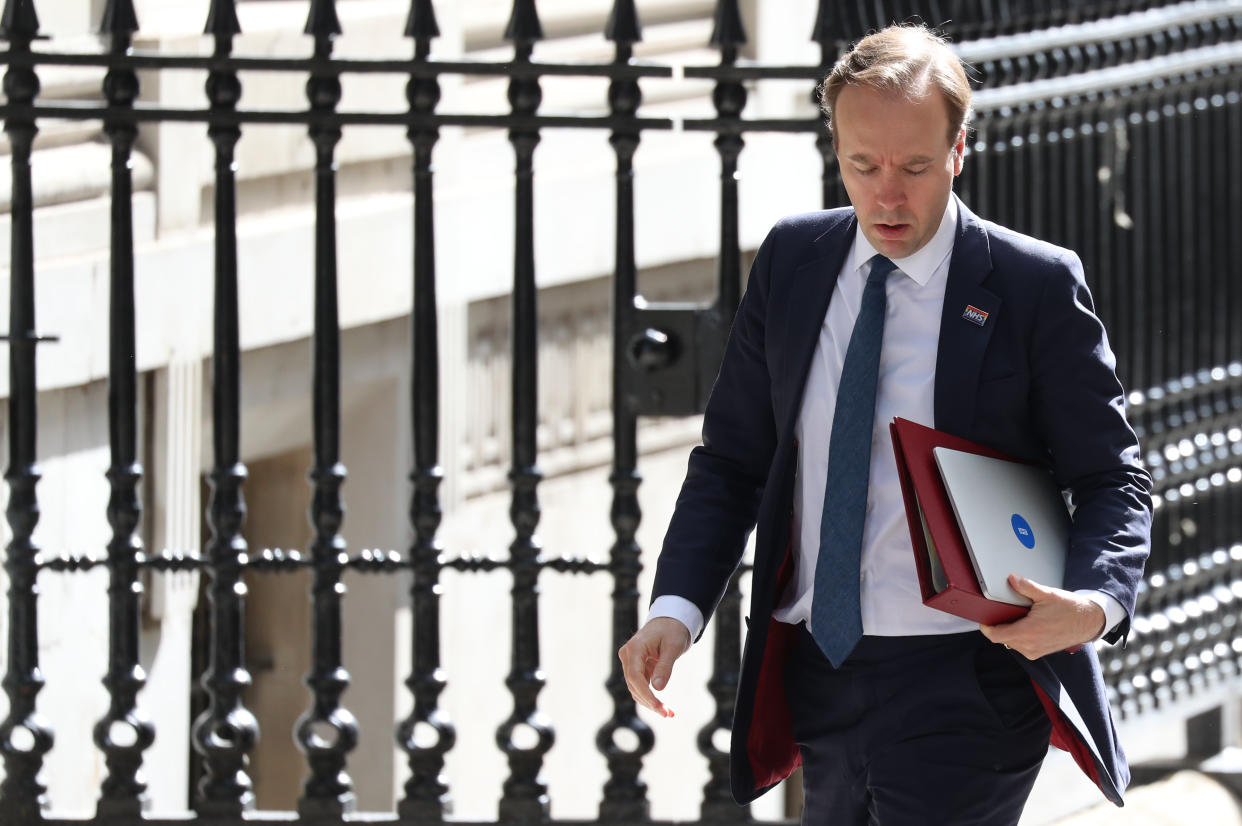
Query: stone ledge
(78,172)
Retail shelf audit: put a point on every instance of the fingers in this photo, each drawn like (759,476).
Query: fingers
(637,665)
(662,672)
(1011,636)
(647,661)
(1029,588)
(1058,621)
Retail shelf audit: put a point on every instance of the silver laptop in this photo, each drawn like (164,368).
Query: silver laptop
(1013,519)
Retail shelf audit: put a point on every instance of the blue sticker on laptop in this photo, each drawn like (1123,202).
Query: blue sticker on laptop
(1022,530)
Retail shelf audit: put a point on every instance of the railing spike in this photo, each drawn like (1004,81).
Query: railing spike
(524,25)
(727,27)
(623,26)
(222,19)
(119,18)
(20,21)
(421,22)
(322,20)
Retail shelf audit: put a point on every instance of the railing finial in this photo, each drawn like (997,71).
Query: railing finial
(20,21)
(524,26)
(421,22)
(728,31)
(119,19)
(623,26)
(222,19)
(322,21)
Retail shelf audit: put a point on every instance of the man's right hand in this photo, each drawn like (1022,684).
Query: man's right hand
(647,660)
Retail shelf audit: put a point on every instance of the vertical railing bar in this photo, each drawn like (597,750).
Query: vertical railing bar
(525,796)
(427,734)
(1197,121)
(1186,272)
(1168,250)
(828,36)
(979,167)
(1233,216)
(729,97)
(327,731)
(1214,234)
(1118,223)
(124,732)
(1024,215)
(1139,137)
(25,737)
(625,795)
(226,731)
(1099,232)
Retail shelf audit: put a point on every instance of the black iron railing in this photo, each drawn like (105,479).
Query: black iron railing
(1111,127)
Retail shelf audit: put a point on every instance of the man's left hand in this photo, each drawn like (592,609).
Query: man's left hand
(1058,620)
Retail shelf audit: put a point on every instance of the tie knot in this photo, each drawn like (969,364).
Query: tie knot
(880,268)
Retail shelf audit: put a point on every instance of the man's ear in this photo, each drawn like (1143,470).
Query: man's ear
(959,152)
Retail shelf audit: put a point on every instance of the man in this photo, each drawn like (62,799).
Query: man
(901,714)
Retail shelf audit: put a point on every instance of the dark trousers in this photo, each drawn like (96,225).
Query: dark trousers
(940,730)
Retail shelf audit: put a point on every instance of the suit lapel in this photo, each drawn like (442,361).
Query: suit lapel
(966,322)
(802,310)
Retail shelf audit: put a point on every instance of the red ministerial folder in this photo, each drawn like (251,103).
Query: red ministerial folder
(927,504)
(927,499)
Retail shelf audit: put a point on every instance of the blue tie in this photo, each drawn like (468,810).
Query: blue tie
(836,617)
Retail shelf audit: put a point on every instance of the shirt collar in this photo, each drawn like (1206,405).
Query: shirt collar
(923,264)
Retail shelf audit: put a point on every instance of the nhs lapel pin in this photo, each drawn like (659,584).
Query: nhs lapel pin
(974,315)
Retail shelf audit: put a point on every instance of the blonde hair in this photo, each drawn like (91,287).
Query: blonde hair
(908,60)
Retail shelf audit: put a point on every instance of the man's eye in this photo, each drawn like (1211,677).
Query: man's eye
(864,170)
(917,171)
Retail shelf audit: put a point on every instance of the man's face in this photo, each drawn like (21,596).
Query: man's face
(897,164)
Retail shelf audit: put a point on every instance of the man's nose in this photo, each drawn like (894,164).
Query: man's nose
(891,193)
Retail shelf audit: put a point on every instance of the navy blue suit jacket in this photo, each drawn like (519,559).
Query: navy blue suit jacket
(1036,381)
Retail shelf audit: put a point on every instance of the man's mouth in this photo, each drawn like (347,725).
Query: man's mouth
(891,230)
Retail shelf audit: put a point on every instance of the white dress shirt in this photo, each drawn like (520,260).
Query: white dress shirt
(891,600)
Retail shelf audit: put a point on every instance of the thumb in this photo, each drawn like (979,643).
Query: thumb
(1028,588)
(663,671)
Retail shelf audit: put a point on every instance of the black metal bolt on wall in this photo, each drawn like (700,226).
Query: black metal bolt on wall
(225,732)
(525,796)
(124,732)
(327,732)
(25,736)
(426,792)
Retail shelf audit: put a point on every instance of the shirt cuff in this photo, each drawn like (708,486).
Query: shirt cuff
(1113,612)
(680,609)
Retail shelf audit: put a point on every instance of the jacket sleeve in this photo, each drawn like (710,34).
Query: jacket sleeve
(719,500)
(1078,406)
